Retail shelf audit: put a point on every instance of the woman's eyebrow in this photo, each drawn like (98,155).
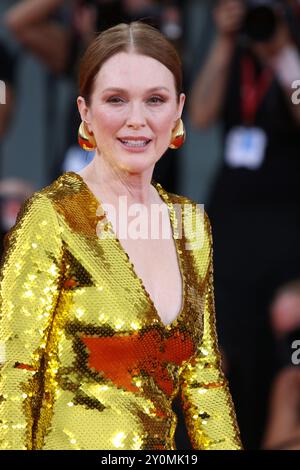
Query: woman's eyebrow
(123,90)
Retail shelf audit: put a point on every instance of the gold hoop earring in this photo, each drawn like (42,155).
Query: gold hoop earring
(86,138)
(178,136)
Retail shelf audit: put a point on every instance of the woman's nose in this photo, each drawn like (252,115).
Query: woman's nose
(136,116)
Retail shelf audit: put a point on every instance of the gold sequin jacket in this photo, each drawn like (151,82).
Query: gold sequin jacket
(86,361)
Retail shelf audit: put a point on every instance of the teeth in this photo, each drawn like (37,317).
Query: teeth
(136,143)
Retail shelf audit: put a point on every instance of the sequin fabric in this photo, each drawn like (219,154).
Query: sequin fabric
(86,361)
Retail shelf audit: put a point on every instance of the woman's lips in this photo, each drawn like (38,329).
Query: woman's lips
(134,145)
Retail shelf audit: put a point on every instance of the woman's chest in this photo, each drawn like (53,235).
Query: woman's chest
(109,325)
(159,269)
(133,285)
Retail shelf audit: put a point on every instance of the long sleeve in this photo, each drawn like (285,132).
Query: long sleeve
(29,292)
(207,403)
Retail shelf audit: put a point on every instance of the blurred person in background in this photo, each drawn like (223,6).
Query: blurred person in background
(13,192)
(7,67)
(60,39)
(283,426)
(246,84)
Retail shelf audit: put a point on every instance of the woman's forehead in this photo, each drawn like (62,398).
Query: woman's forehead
(134,69)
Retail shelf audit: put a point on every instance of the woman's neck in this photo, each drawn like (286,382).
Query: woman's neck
(109,184)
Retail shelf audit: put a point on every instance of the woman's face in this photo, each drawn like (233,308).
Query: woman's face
(132,111)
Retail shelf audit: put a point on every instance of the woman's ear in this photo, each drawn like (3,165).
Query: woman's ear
(83,109)
(182,98)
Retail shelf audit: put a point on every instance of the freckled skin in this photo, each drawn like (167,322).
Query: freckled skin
(137,111)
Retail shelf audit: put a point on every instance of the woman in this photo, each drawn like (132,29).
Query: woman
(100,335)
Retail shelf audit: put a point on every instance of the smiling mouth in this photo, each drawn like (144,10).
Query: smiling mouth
(135,143)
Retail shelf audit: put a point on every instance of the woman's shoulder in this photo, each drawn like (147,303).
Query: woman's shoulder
(45,204)
(66,193)
(190,208)
(37,217)
(196,229)
(54,190)
(65,185)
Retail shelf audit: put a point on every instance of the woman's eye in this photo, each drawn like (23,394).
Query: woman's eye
(114,99)
(157,99)
(153,99)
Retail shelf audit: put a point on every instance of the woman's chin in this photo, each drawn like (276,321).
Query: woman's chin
(135,163)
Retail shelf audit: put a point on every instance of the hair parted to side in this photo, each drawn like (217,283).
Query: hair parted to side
(137,37)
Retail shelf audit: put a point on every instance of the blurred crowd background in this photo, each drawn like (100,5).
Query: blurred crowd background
(241,159)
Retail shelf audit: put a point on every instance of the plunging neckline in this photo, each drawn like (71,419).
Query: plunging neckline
(179,252)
